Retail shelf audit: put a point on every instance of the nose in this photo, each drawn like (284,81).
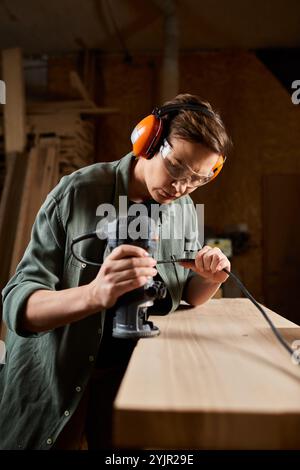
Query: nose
(180,187)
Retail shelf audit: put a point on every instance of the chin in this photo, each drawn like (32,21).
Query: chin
(163,197)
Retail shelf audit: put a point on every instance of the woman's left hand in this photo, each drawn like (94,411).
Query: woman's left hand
(209,263)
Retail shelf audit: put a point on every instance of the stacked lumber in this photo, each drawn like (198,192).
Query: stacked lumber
(75,134)
(40,177)
(39,143)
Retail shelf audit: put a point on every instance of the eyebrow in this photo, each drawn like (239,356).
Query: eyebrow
(179,162)
(184,165)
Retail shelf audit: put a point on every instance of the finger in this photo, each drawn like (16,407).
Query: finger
(204,249)
(124,251)
(131,284)
(130,263)
(216,258)
(199,258)
(207,259)
(128,274)
(224,263)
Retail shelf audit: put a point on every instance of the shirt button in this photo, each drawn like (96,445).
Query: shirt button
(66,413)
(83,265)
(91,358)
(49,441)
(78,389)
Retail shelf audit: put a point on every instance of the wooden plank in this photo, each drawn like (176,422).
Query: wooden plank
(9,211)
(14,110)
(30,192)
(41,176)
(215,378)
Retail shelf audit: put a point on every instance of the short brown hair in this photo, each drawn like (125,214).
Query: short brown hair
(195,126)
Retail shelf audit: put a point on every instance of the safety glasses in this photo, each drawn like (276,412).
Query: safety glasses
(182,172)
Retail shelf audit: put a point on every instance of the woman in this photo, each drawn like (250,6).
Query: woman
(63,367)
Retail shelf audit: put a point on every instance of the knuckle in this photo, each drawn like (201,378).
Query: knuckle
(142,280)
(132,263)
(109,279)
(135,271)
(121,249)
(105,269)
(110,290)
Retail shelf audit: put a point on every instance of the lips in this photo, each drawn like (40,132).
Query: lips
(167,195)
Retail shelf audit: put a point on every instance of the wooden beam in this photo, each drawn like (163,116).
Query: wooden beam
(67,107)
(14,109)
(147,13)
(78,84)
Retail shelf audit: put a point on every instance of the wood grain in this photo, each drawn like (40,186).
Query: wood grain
(215,378)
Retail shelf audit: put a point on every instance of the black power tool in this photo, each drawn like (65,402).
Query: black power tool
(131,318)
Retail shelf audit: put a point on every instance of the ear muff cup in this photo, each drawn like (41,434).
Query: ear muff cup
(146,135)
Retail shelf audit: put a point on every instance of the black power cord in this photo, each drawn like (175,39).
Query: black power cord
(265,315)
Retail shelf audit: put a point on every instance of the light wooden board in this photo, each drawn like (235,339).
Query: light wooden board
(215,378)
(14,110)
(41,176)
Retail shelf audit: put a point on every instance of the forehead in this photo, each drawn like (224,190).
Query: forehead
(196,155)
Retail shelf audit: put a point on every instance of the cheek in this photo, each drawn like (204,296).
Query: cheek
(156,177)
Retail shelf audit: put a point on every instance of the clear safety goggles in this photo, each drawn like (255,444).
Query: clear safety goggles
(182,172)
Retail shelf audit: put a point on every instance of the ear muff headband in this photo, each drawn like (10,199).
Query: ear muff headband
(147,133)
(173,108)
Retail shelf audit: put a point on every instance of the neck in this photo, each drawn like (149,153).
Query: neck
(137,188)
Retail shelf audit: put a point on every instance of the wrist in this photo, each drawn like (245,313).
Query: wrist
(208,281)
(92,303)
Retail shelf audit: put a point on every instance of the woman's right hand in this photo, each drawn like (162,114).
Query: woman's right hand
(126,268)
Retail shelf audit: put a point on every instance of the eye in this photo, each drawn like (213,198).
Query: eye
(174,168)
(194,179)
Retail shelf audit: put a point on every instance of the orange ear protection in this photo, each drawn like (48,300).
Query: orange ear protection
(218,166)
(148,133)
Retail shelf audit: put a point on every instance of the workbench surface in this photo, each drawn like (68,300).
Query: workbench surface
(215,378)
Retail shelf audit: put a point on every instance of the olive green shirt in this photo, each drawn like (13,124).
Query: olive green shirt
(46,373)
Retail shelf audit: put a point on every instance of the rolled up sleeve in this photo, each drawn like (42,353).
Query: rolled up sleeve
(195,246)
(40,268)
